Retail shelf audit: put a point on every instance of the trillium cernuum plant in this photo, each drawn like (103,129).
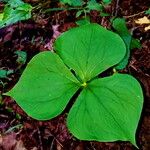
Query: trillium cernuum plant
(107,109)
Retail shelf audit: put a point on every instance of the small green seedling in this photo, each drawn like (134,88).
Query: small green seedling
(5,73)
(106,109)
(83,21)
(73,2)
(21,57)
(14,11)
(92,5)
(106,2)
(147,12)
(119,24)
(83,7)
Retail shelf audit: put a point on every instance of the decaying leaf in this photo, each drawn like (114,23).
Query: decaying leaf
(147,28)
(143,20)
(8,142)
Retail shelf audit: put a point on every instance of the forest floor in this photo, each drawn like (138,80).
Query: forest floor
(20,132)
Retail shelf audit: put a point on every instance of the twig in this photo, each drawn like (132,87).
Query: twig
(58,142)
(51,147)
(117,6)
(40,139)
(134,15)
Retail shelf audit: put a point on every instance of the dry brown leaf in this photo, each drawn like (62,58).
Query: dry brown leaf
(1,140)
(34,148)
(147,28)
(9,142)
(19,146)
(143,20)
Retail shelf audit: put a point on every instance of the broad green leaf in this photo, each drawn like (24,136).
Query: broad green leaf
(45,87)
(89,50)
(108,109)
(93,5)
(73,2)
(15,11)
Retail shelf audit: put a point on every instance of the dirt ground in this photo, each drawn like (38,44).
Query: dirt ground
(20,132)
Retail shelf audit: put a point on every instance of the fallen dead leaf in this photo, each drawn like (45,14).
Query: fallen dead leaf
(8,142)
(147,28)
(59,147)
(1,139)
(80,147)
(19,146)
(143,20)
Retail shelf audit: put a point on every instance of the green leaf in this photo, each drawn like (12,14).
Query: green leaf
(135,43)
(4,73)
(1,16)
(22,57)
(119,24)
(79,13)
(84,21)
(45,87)
(147,12)
(89,50)
(15,3)
(103,14)
(106,2)
(108,109)
(15,11)
(73,2)
(1,99)
(93,5)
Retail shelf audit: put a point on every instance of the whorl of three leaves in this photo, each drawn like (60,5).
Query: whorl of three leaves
(107,109)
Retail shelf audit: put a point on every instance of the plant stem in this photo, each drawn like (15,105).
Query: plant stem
(59,9)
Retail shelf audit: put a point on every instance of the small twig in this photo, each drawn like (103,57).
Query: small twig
(40,139)
(3,116)
(117,6)
(92,146)
(54,138)
(51,147)
(58,142)
(134,15)
(41,5)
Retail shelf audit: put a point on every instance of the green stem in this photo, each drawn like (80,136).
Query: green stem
(60,9)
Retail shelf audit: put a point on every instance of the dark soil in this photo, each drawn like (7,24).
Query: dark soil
(20,132)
